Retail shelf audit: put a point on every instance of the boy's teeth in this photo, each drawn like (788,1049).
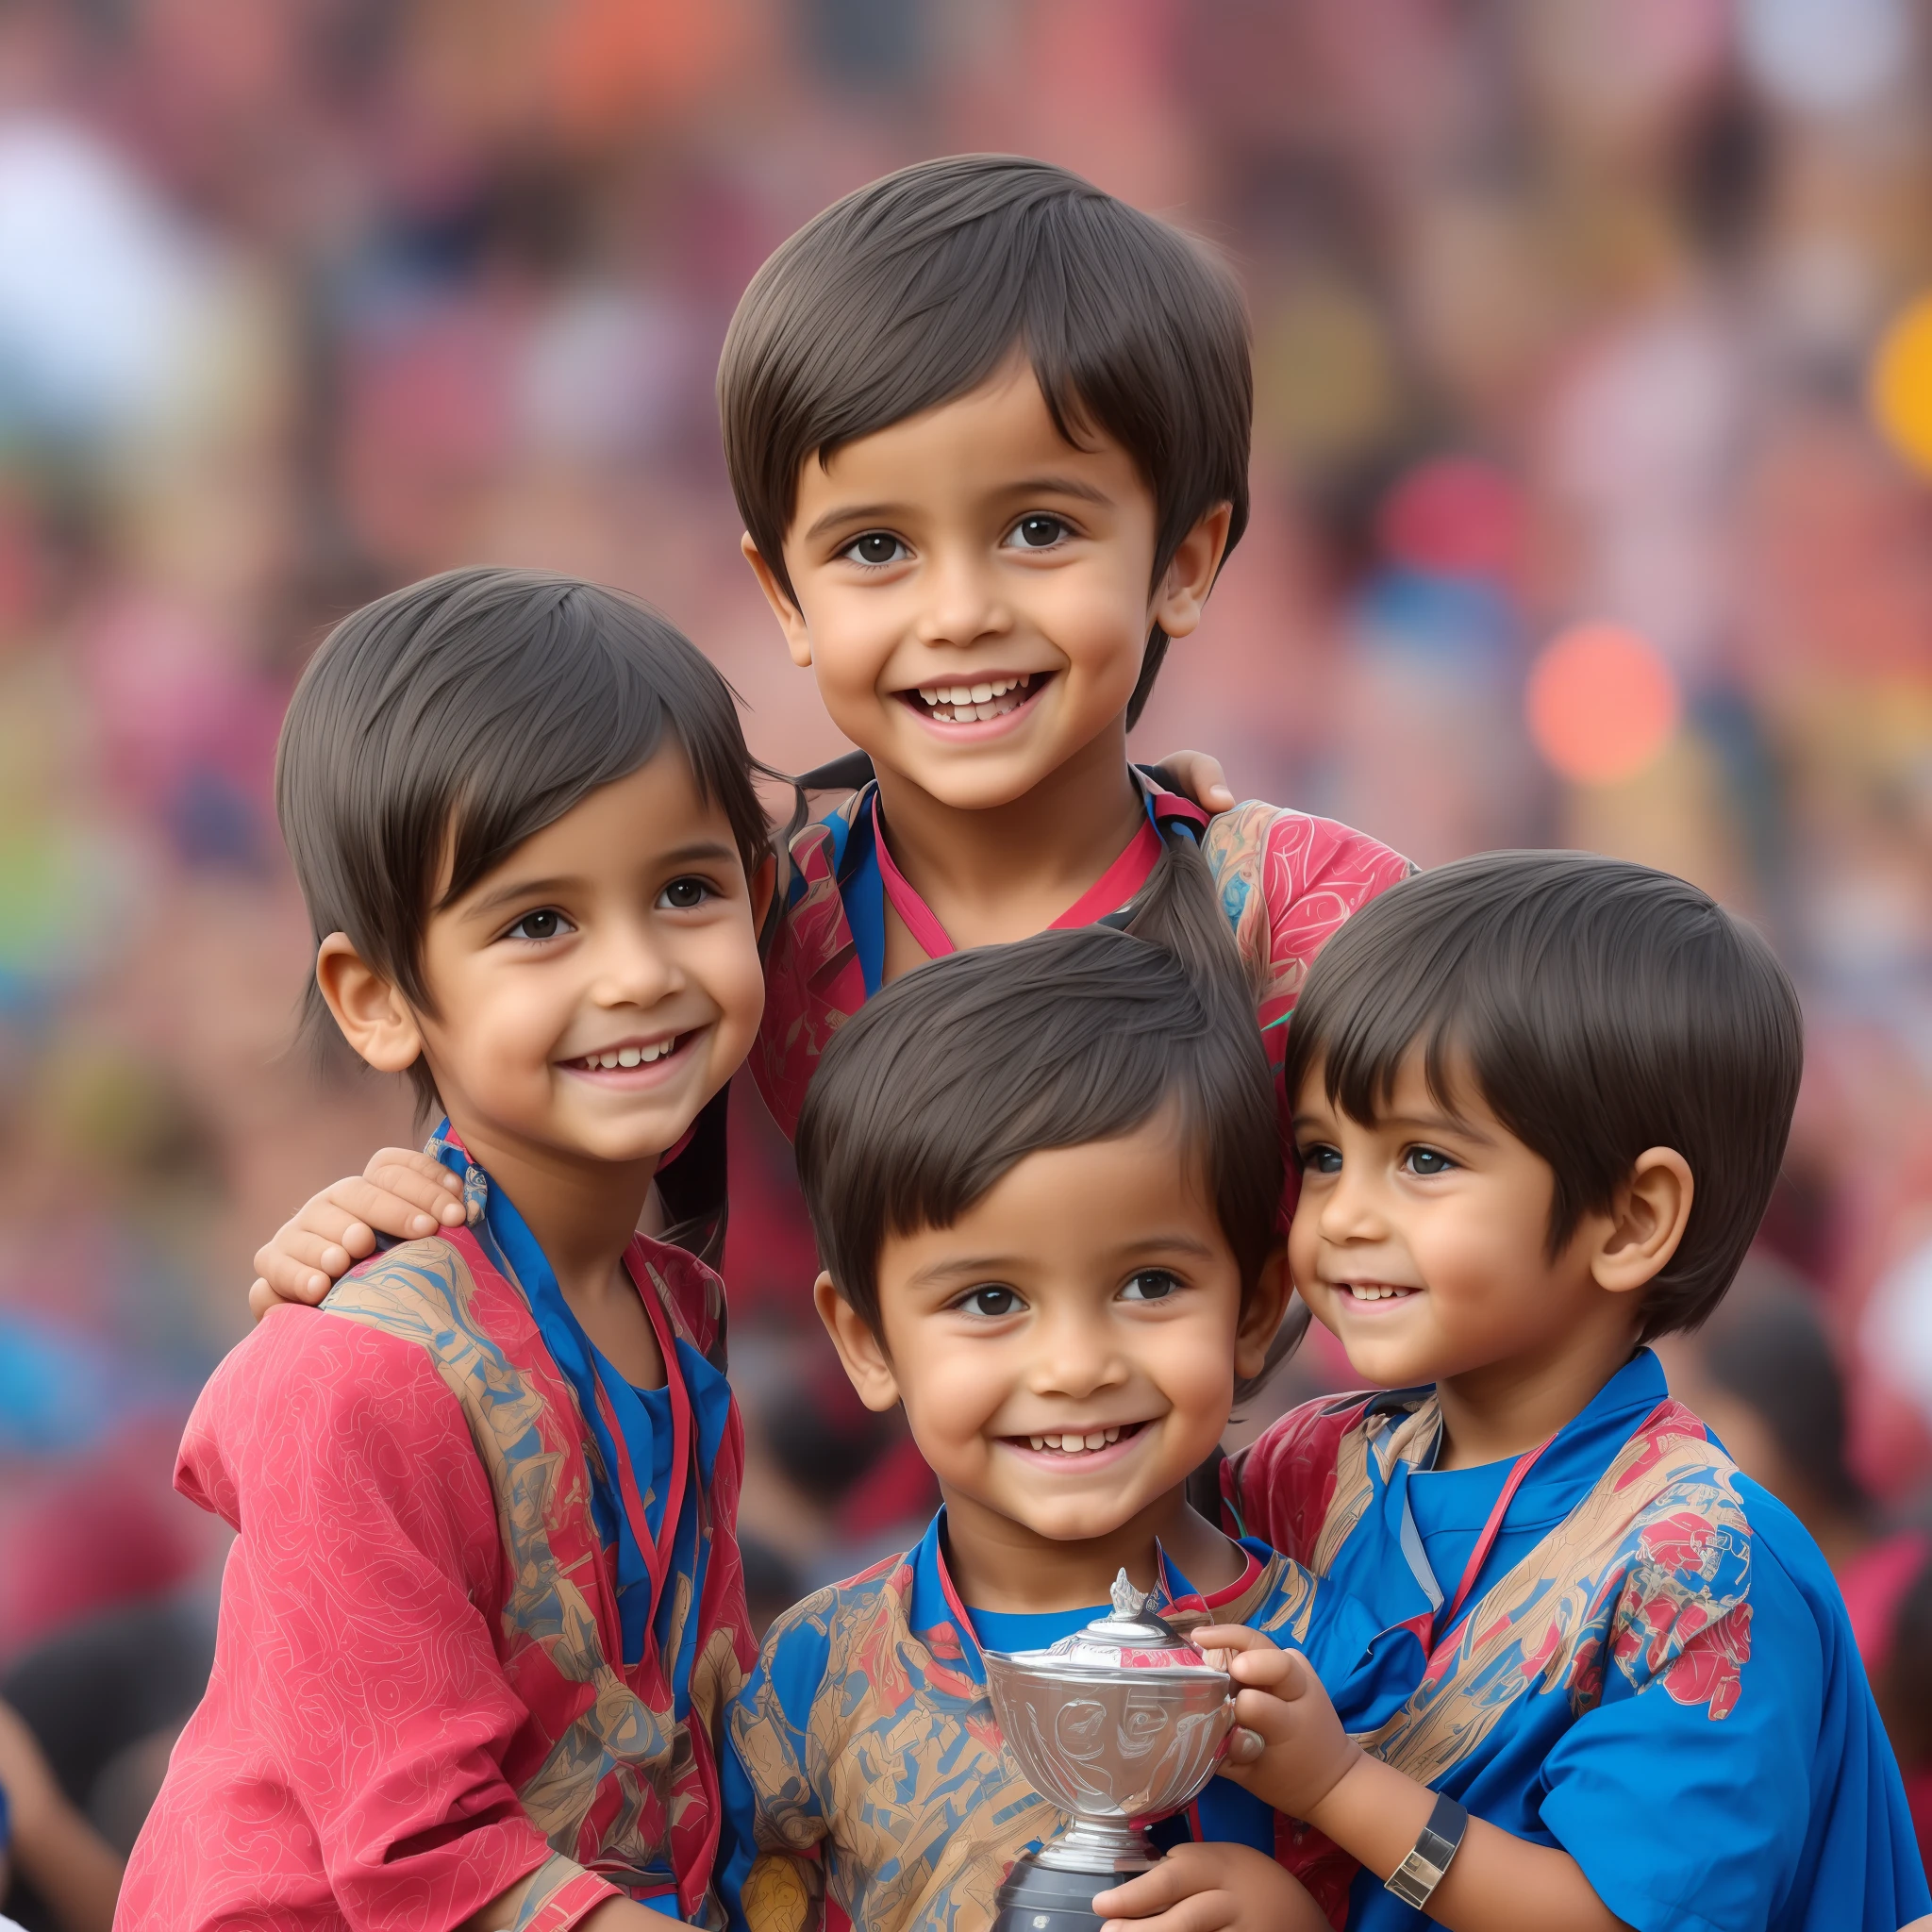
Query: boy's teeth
(1365,1291)
(626,1055)
(1069,1445)
(959,704)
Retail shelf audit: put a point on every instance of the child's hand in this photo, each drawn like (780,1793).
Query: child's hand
(1198,775)
(401,1192)
(1291,1750)
(1212,1888)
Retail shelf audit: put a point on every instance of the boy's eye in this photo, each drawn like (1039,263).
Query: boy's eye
(685,895)
(1427,1160)
(1321,1158)
(546,925)
(991,1302)
(1150,1285)
(876,547)
(1037,532)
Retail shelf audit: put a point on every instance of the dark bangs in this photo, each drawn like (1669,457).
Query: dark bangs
(1598,1009)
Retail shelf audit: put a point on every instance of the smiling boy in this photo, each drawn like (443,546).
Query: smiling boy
(484,1604)
(1062,1257)
(1540,1100)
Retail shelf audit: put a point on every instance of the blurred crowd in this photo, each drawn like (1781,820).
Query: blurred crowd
(1593,492)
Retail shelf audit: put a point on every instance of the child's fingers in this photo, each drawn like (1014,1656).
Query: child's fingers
(1249,1659)
(1178,1876)
(333,1247)
(360,1203)
(421,1182)
(290,1278)
(1244,1747)
(1198,773)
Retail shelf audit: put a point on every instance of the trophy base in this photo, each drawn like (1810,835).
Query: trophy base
(1047,1898)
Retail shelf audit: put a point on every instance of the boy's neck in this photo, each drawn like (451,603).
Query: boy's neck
(1004,872)
(1503,1409)
(581,1213)
(998,1564)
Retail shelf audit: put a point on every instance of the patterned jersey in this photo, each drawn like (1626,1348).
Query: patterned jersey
(1286,880)
(420,1692)
(1654,1670)
(863,1760)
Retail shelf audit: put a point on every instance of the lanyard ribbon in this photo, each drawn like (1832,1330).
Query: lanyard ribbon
(1444,1621)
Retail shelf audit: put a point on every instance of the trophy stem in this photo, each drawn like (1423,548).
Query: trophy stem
(1089,1844)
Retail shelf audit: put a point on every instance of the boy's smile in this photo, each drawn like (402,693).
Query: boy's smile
(1066,1353)
(975,592)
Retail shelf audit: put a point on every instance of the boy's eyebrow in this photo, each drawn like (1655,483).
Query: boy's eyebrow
(698,850)
(974,1267)
(888,512)
(1419,1123)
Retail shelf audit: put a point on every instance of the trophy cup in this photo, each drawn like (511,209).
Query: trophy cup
(1120,1722)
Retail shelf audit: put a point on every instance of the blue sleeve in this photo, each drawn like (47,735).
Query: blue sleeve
(773,1818)
(1747,1783)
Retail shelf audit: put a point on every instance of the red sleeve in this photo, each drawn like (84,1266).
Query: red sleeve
(357,1715)
(1280,1485)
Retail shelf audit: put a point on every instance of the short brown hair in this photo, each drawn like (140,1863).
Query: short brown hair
(914,290)
(1600,1008)
(957,1072)
(452,720)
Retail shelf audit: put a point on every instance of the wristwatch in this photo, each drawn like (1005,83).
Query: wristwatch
(1416,1878)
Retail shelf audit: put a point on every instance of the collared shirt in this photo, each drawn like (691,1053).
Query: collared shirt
(1654,1671)
(863,1757)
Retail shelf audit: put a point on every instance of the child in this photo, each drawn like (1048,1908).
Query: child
(1540,1100)
(484,1608)
(987,428)
(1045,1183)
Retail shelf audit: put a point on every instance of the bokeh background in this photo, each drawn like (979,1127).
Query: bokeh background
(1593,507)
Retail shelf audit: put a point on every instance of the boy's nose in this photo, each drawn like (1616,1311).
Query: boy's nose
(1077,1357)
(962,605)
(1352,1210)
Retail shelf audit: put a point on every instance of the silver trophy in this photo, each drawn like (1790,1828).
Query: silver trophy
(1121,1722)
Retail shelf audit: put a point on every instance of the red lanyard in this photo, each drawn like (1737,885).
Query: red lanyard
(1487,1540)
(1107,893)
(657,1550)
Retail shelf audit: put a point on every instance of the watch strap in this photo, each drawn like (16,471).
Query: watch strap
(1415,1879)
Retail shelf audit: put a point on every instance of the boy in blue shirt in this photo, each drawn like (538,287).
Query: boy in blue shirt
(1539,1104)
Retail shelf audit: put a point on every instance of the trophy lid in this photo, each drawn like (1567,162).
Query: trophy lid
(1134,1636)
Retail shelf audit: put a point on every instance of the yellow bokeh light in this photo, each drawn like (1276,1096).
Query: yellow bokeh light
(1901,384)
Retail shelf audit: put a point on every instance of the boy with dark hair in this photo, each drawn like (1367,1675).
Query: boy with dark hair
(1046,1183)
(987,428)
(484,1605)
(1540,1100)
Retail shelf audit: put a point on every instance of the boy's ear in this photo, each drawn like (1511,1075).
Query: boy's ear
(1646,1221)
(1262,1316)
(861,1351)
(790,618)
(1182,593)
(375,1018)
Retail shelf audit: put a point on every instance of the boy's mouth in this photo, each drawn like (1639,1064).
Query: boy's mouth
(1376,1291)
(977,700)
(625,1054)
(1070,1445)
